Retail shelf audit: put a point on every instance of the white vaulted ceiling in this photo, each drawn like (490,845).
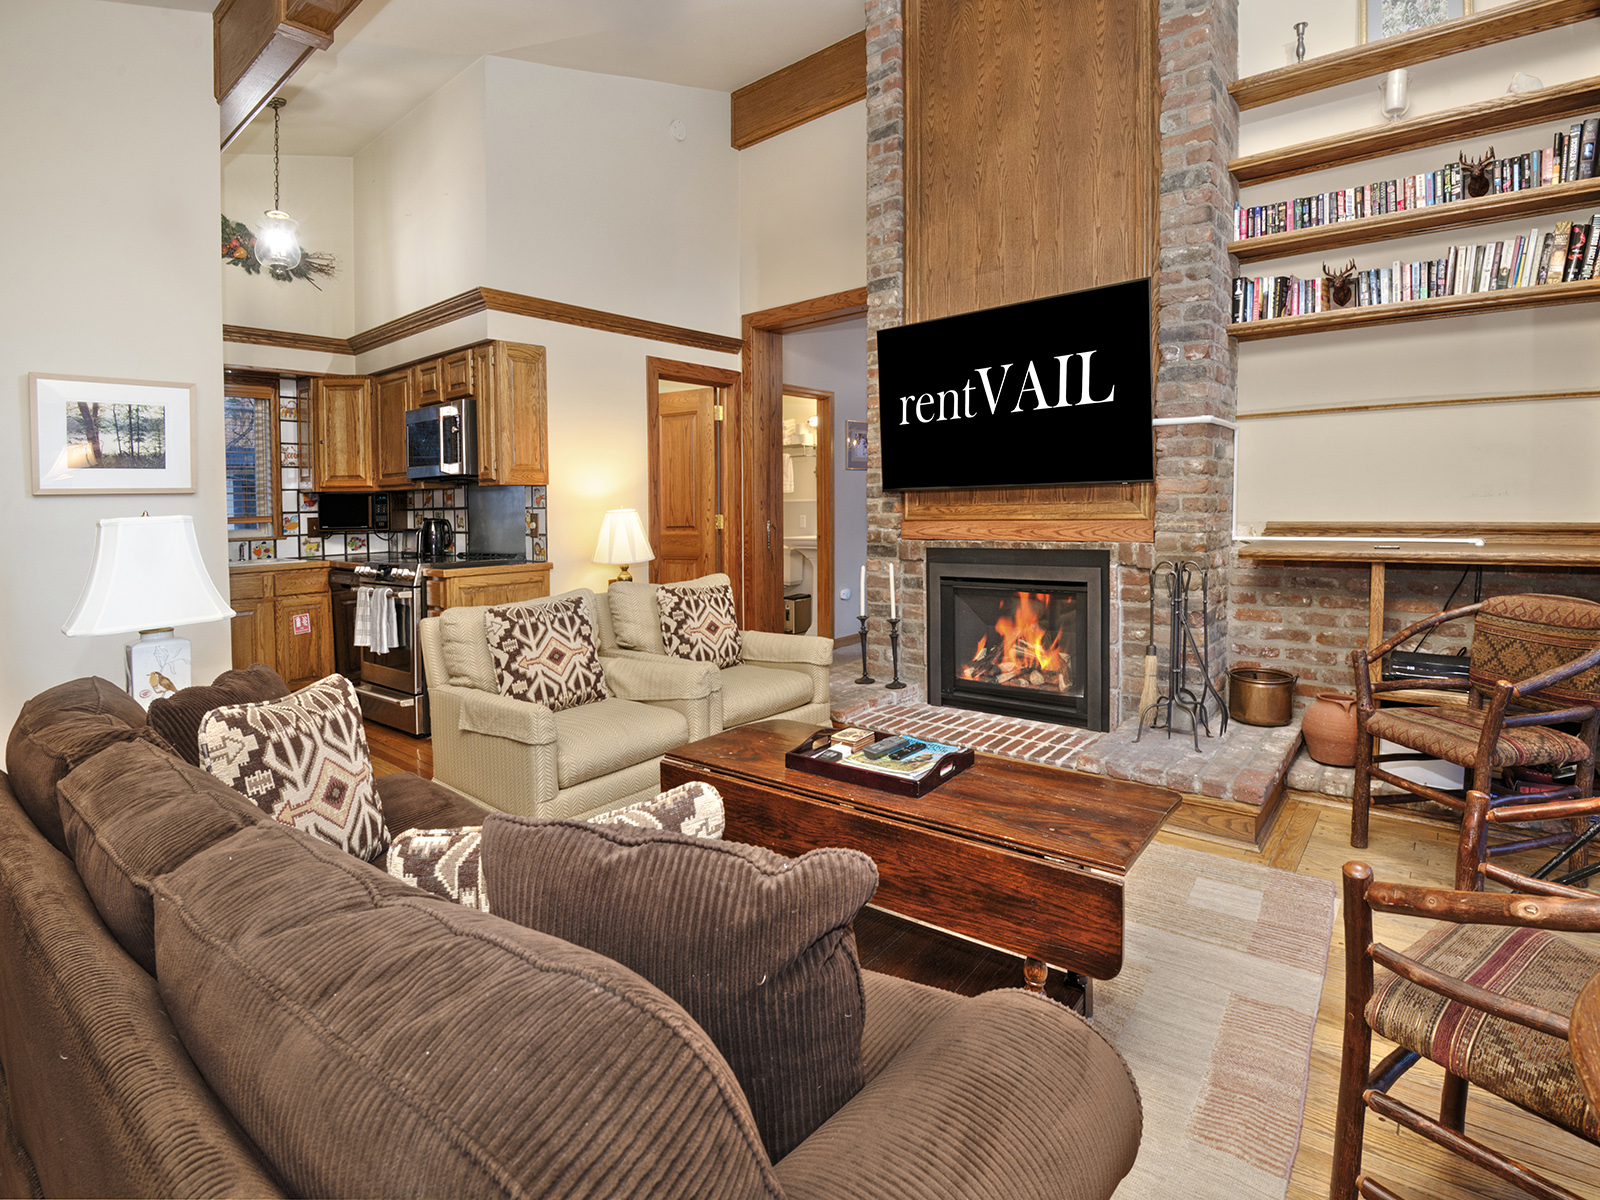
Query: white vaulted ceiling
(390,55)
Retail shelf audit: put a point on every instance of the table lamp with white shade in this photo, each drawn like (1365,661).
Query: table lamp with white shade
(622,541)
(147,577)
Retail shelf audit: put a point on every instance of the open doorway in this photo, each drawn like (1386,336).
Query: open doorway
(807,511)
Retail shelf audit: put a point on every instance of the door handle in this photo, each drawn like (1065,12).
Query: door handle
(769,534)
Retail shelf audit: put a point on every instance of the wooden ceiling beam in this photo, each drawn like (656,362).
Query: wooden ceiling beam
(258,44)
(813,87)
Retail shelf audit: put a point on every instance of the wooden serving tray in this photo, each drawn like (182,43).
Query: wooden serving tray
(947,767)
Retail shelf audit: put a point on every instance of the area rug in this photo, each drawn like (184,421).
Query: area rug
(1214,1010)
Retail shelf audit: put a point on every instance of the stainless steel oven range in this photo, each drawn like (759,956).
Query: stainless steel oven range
(391,685)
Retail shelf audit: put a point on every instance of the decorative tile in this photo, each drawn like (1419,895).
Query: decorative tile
(263,550)
(354,542)
(311,547)
(288,408)
(291,454)
(291,524)
(333,544)
(538,550)
(308,501)
(536,496)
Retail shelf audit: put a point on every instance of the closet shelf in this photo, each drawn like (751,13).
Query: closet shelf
(1583,292)
(1408,49)
(1475,121)
(1585,193)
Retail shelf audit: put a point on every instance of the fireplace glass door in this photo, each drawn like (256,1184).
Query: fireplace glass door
(1023,651)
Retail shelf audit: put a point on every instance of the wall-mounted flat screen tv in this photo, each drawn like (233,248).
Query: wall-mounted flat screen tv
(1046,392)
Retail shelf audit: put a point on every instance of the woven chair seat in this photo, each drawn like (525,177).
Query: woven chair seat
(1532,1070)
(1452,734)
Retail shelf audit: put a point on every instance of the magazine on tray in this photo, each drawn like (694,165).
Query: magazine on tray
(923,757)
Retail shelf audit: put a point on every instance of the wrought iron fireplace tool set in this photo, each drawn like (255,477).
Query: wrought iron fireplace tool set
(1180,576)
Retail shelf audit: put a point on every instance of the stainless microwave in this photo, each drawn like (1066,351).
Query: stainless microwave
(442,440)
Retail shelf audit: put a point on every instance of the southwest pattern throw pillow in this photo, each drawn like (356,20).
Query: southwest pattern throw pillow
(304,760)
(699,624)
(546,653)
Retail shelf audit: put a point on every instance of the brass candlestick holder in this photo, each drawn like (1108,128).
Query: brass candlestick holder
(865,678)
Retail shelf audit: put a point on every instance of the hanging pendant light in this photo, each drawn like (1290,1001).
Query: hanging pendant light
(277,244)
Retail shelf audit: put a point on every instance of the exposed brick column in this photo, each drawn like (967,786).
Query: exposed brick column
(1195,373)
(886,227)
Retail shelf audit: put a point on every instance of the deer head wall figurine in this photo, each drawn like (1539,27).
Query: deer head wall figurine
(1341,284)
(1478,174)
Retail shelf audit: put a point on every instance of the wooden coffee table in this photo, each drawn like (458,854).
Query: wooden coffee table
(1027,858)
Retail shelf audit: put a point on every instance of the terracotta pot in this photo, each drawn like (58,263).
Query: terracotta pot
(1329,727)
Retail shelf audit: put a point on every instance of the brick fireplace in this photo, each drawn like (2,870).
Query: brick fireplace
(1194,369)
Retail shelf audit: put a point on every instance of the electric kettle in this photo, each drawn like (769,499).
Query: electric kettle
(438,538)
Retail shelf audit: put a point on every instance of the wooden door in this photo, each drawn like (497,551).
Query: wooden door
(341,423)
(252,631)
(396,393)
(304,629)
(683,500)
(428,385)
(455,374)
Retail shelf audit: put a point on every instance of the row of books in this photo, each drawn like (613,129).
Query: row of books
(1568,252)
(1570,158)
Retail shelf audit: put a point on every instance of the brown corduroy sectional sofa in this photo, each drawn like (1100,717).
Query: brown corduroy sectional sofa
(194,1001)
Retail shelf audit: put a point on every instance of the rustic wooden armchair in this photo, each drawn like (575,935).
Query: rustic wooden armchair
(1535,666)
(1485,995)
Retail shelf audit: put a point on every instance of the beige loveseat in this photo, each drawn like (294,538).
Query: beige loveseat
(779,675)
(521,757)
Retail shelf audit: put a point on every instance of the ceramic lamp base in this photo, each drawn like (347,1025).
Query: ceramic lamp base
(158,665)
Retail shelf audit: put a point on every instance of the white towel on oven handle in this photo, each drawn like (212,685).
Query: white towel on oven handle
(377,624)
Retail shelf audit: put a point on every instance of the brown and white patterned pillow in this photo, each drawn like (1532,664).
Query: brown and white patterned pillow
(546,653)
(699,623)
(303,760)
(445,862)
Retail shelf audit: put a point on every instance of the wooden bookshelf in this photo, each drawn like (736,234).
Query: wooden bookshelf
(1384,55)
(1582,292)
(1531,202)
(1476,121)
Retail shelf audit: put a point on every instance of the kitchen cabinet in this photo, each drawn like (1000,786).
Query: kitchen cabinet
(512,446)
(284,619)
(455,374)
(394,395)
(427,385)
(455,587)
(342,458)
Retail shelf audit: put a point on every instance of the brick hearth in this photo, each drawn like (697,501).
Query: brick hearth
(1245,767)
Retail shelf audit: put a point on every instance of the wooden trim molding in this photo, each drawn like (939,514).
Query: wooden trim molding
(1094,513)
(488,299)
(817,85)
(807,314)
(247,335)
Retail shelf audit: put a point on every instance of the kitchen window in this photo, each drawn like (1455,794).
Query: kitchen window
(250,441)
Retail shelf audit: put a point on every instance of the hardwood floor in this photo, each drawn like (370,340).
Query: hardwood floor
(1310,837)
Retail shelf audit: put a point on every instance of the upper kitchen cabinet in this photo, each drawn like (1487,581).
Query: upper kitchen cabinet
(396,395)
(456,374)
(511,413)
(342,458)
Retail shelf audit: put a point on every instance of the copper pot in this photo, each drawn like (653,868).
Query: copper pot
(1260,695)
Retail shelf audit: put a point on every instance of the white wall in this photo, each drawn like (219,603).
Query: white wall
(591,200)
(420,207)
(318,193)
(803,211)
(77,188)
(834,358)
(598,455)
(1523,462)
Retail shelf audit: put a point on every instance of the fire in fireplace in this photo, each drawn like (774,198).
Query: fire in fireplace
(1021,632)
(1021,646)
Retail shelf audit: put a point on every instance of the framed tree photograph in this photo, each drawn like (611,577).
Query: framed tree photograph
(1377,19)
(111,436)
(855,445)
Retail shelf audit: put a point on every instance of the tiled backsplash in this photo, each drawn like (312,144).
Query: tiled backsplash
(299,505)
